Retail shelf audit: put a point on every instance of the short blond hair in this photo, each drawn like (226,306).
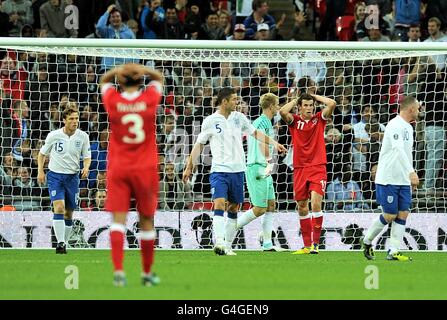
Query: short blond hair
(267,100)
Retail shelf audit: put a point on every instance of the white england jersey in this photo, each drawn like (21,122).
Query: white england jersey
(396,154)
(225,136)
(65,152)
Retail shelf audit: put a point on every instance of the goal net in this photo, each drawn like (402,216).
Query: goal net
(38,77)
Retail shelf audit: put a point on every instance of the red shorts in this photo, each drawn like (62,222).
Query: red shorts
(309,179)
(123,185)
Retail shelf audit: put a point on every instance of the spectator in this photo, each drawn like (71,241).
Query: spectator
(437,9)
(313,67)
(5,24)
(193,21)
(344,193)
(174,194)
(20,14)
(98,200)
(111,26)
(407,13)
(374,34)
(359,13)
(21,116)
(263,32)
(13,77)
(365,25)
(338,152)
(414,33)
(99,156)
(211,29)
(335,8)
(259,15)
(170,28)
(362,146)
(300,30)
(8,172)
(225,78)
(225,22)
(133,25)
(152,11)
(53,20)
(436,35)
(238,33)
(25,186)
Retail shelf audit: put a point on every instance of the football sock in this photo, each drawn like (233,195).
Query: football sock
(117,243)
(230,229)
(219,227)
(147,239)
(245,218)
(68,228)
(397,233)
(59,227)
(375,229)
(306,230)
(267,227)
(317,224)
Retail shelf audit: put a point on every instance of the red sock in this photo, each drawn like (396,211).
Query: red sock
(117,243)
(317,223)
(306,231)
(147,254)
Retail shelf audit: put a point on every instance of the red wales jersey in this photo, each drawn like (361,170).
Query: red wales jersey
(132,142)
(309,148)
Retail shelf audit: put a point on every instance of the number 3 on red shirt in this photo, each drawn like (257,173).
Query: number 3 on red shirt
(136,128)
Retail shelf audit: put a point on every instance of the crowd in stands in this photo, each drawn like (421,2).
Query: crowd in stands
(35,88)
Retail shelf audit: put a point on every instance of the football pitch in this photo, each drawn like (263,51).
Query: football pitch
(191,275)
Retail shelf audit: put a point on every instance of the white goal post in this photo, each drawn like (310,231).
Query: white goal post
(367,79)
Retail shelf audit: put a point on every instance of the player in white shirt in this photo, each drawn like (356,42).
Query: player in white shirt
(224,130)
(65,147)
(395,180)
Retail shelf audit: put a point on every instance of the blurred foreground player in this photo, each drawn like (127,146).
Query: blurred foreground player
(132,160)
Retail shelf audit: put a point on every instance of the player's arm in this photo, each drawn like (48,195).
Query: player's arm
(40,171)
(87,161)
(285,111)
(192,161)
(44,151)
(329,105)
(264,139)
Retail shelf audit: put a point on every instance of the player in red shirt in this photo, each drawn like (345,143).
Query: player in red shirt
(309,163)
(132,160)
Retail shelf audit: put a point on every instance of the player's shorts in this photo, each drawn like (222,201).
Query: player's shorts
(309,179)
(393,198)
(63,186)
(142,185)
(229,186)
(260,188)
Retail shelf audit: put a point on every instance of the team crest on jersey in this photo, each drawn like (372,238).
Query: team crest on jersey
(314,121)
(53,193)
(390,199)
(396,136)
(237,123)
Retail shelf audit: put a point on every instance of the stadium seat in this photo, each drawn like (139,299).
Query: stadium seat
(345,27)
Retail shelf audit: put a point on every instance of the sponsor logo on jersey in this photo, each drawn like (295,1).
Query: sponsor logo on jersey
(314,121)
(78,144)
(396,136)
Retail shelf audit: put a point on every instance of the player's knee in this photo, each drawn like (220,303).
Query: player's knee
(219,205)
(271,207)
(258,211)
(389,217)
(303,207)
(59,208)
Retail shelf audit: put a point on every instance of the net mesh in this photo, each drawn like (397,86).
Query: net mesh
(36,83)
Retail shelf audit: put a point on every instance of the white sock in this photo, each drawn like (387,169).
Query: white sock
(397,233)
(59,230)
(245,218)
(374,230)
(219,229)
(267,227)
(68,233)
(230,231)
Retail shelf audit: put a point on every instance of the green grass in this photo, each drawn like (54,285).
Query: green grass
(40,274)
